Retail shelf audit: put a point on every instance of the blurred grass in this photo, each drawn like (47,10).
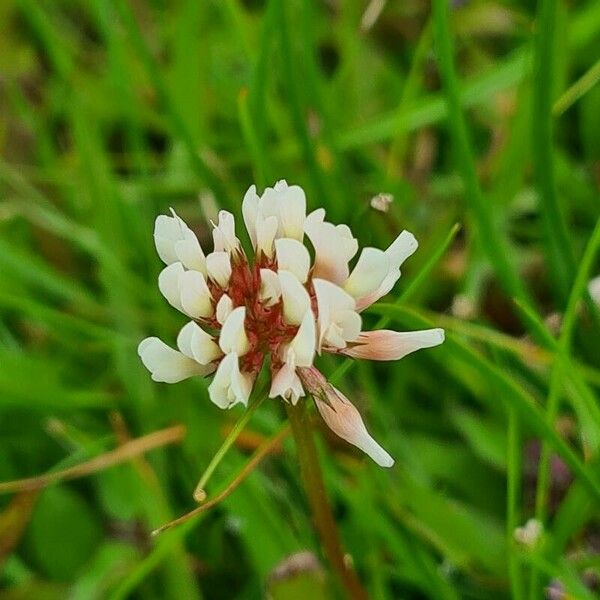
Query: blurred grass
(480,113)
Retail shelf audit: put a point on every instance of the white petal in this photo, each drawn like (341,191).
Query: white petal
(384,344)
(204,348)
(166,364)
(304,343)
(292,210)
(368,274)
(168,231)
(270,289)
(401,248)
(224,233)
(218,267)
(184,339)
(350,324)
(287,384)
(334,247)
(229,386)
(337,320)
(195,343)
(233,336)
(293,256)
(344,420)
(266,230)
(169,284)
(296,300)
(224,308)
(250,212)
(189,253)
(195,296)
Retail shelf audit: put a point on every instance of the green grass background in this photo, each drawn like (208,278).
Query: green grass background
(482,113)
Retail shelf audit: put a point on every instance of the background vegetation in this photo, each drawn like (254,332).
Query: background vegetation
(483,113)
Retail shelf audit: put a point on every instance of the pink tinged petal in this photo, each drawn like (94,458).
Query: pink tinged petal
(334,247)
(194,342)
(233,336)
(224,233)
(345,421)
(195,296)
(270,289)
(287,384)
(223,308)
(168,231)
(304,343)
(393,345)
(338,321)
(169,284)
(166,364)
(294,257)
(250,212)
(218,267)
(266,230)
(296,300)
(368,274)
(229,386)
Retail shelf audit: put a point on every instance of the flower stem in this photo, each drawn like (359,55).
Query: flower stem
(315,489)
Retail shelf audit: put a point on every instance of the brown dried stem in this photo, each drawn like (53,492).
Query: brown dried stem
(265,448)
(123,453)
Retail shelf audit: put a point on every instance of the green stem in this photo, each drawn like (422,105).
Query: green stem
(199,493)
(317,498)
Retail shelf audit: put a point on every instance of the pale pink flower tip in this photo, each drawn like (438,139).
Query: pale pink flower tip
(277,304)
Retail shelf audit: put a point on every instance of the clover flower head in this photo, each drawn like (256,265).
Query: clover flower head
(280,305)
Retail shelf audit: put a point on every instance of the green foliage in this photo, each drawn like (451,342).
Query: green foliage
(479,117)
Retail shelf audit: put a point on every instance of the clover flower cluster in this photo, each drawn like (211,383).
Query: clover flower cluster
(280,305)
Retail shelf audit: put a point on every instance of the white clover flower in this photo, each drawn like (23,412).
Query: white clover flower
(278,306)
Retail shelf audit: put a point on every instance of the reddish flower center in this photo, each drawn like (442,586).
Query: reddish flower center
(265,326)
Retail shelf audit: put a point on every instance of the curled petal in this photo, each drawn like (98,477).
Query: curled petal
(287,384)
(266,230)
(338,321)
(250,212)
(195,343)
(292,210)
(229,386)
(195,296)
(190,254)
(342,417)
(270,289)
(296,300)
(233,336)
(168,233)
(393,345)
(218,267)
(304,343)
(400,249)
(224,236)
(224,308)
(169,284)
(293,256)
(166,364)
(368,274)
(334,246)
